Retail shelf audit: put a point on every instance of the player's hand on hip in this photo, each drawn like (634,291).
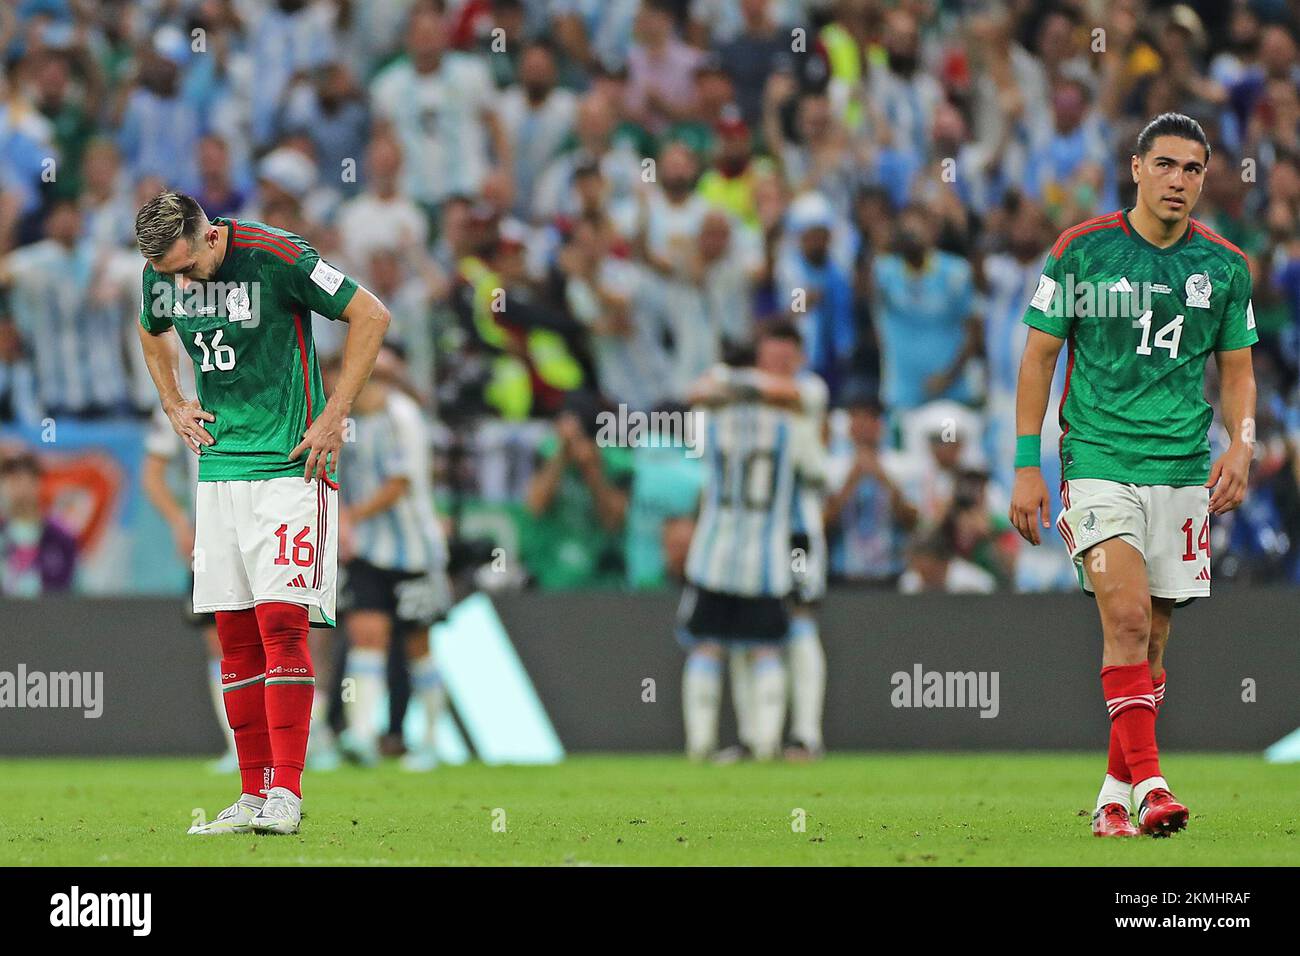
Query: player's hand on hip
(187,417)
(1029,502)
(1229,478)
(323,442)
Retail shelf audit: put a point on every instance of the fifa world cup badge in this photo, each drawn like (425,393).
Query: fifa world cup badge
(1198,291)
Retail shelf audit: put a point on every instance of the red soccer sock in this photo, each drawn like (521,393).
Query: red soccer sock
(1130,699)
(290,683)
(243,668)
(1115,763)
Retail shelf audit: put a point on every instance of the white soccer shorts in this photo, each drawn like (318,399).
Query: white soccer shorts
(1169,527)
(271,540)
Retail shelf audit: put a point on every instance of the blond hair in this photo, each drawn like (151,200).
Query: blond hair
(164,219)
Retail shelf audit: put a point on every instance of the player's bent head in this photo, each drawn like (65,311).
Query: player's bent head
(168,228)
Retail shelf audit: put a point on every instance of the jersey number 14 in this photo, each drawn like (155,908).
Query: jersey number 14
(1167,336)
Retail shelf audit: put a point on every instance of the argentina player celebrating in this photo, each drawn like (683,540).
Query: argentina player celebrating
(739,568)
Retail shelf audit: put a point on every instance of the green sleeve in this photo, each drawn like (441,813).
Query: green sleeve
(1237,327)
(156,298)
(312,284)
(1048,310)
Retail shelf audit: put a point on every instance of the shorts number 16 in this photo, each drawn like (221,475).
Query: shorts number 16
(304,552)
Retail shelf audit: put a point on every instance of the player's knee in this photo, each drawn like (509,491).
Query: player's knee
(1128,623)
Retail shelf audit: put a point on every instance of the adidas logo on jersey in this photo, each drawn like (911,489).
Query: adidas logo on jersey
(298,582)
(1204,575)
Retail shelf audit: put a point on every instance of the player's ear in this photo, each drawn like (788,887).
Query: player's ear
(1134,165)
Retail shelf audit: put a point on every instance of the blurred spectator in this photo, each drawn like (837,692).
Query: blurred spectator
(383,216)
(901,89)
(216,189)
(1012,277)
(37,556)
(578,500)
(934,568)
(160,128)
(107,214)
(441,104)
(19,401)
(752,53)
(594,141)
(731,180)
(978,534)
(291,37)
(867,515)
(1068,168)
(538,117)
(818,292)
(925,317)
(332,111)
(595,34)
(67,107)
(75,303)
(626,312)
(660,69)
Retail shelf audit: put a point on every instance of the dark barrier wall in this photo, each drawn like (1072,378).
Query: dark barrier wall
(591,656)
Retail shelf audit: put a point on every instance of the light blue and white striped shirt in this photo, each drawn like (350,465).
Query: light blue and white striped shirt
(741,544)
(393,443)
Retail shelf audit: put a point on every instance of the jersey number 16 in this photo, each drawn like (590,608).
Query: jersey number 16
(218,357)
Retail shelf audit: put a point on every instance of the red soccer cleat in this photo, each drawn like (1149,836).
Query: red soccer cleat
(1112,820)
(1161,815)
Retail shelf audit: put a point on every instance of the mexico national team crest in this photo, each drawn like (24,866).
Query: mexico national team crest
(1198,291)
(1089,528)
(238,307)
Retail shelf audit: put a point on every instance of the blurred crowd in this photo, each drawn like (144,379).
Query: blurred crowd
(571,205)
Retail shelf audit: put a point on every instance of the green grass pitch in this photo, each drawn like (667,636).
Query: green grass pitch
(869,809)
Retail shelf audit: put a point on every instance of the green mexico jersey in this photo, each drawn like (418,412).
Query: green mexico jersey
(248,332)
(1140,322)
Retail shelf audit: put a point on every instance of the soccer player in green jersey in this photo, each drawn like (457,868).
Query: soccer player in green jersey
(239,296)
(1142,297)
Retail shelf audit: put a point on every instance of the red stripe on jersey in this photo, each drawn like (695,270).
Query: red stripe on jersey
(1060,409)
(1092,225)
(288,245)
(1091,228)
(1198,226)
(258,244)
(302,354)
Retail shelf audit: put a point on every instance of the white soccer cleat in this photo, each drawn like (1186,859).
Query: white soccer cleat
(236,818)
(281,813)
